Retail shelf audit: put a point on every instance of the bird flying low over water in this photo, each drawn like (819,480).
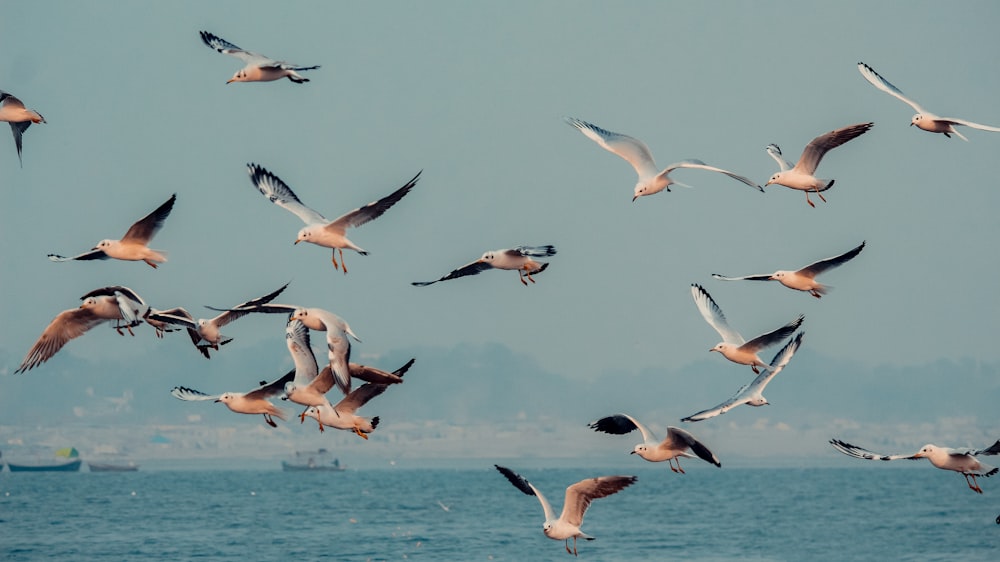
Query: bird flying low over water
(800,176)
(115,303)
(251,402)
(132,246)
(578,498)
(961,460)
(803,279)
(733,346)
(675,445)
(635,152)
(319,230)
(205,332)
(343,416)
(923,119)
(12,111)
(752,394)
(519,258)
(259,68)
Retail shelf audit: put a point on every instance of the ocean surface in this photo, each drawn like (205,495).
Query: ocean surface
(870,513)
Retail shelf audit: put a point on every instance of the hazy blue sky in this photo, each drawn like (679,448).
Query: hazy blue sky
(474,95)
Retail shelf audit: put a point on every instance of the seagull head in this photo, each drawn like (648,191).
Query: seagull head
(916,120)
(758,401)
(719,347)
(312,412)
(926,451)
(290,387)
(103,244)
(639,450)
(304,235)
(774,179)
(240,76)
(777,275)
(226,398)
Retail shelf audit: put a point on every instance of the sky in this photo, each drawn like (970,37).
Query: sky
(474,95)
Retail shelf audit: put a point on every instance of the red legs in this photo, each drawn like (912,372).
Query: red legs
(755,369)
(815,294)
(974,486)
(150,264)
(321,430)
(302,418)
(678,461)
(816,189)
(523,274)
(361,435)
(127,327)
(820,195)
(334,259)
(270,422)
(566,544)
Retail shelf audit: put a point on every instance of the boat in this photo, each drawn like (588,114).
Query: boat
(319,460)
(112,467)
(71,465)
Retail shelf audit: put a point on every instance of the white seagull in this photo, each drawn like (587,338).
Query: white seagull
(752,394)
(319,230)
(635,152)
(733,346)
(134,245)
(923,119)
(803,279)
(960,460)
(800,176)
(117,303)
(251,402)
(519,258)
(259,68)
(343,416)
(578,498)
(207,329)
(12,110)
(676,444)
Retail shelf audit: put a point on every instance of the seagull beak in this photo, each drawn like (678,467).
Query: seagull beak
(634,197)
(911,123)
(631,452)
(296,242)
(217,401)
(230,81)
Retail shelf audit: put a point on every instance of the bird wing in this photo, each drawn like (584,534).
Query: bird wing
(468,269)
(339,355)
(359,397)
(759,277)
(192,395)
(533,251)
(882,84)
(814,151)
(952,120)
(620,424)
(280,194)
(634,151)
(373,210)
(993,449)
(273,388)
(297,340)
(18,128)
(736,400)
(90,255)
(579,495)
(130,305)
(67,325)
(242,310)
(145,228)
(10,99)
(775,152)
(520,483)
(814,269)
(714,316)
(176,317)
(859,453)
(227,48)
(767,340)
(699,165)
(677,438)
(378,376)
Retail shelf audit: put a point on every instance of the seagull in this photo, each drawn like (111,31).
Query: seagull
(960,460)
(518,258)
(923,119)
(207,330)
(676,445)
(259,68)
(12,110)
(252,402)
(733,346)
(117,303)
(752,394)
(342,415)
(801,175)
(804,279)
(578,498)
(132,246)
(636,153)
(319,230)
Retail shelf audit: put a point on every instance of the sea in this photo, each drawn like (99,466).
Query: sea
(878,512)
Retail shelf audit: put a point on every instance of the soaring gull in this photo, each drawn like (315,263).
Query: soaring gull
(675,445)
(259,68)
(343,416)
(519,258)
(803,279)
(252,402)
(12,110)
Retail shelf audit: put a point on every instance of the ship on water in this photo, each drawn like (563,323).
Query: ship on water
(318,460)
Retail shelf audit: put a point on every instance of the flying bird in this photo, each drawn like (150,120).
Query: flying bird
(134,245)
(205,332)
(12,110)
(961,460)
(923,119)
(635,152)
(319,230)
(800,176)
(733,346)
(343,416)
(259,68)
(519,258)
(578,498)
(251,402)
(752,394)
(803,279)
(116,303)
(676,444)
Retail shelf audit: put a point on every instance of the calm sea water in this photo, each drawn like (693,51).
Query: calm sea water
(880,513)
